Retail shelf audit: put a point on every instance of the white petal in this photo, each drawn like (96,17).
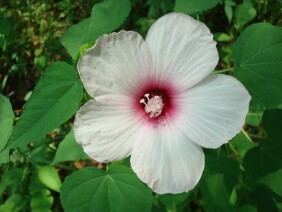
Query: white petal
(182,49)
(214,110)
(106,128)
(166,160)
(115,64)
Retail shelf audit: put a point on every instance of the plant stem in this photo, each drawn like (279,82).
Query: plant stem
(247,135)
(232,148)
(222,71)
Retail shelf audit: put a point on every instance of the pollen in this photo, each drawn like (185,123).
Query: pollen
(154,105)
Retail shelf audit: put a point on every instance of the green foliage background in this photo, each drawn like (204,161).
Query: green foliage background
(44,169)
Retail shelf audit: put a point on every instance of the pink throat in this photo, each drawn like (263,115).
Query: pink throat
(156,102)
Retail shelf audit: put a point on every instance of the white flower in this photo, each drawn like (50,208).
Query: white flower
(157,101)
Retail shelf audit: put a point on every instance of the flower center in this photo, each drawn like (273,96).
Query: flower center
(154,105)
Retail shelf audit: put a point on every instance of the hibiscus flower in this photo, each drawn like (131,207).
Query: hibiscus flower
(157,100)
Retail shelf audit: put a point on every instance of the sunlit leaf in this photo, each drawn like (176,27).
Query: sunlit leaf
(92,189)
(49,177)
(222,37)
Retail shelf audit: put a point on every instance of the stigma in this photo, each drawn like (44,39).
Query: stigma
(154,105)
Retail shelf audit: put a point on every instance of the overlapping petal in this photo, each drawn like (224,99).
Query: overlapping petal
(214,110)
(167,160)
(115,64)
(106,128)
(182,49)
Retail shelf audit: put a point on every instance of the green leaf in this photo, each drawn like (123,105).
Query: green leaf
(14,203)
(273,181)
(244,13)
(272,121)
(4,31)
(6,120)
(40,62)
(41,198)
(155,6)
(123,162)
(105,18)
(6,126)
(221,175)
(92,189)
(263,160)
(248,208)
(258,58)
(229,3)
(242,143)
(221,163)
(4,156)
(49,177)
(216,197)
(254,116)
(267,157)
(228,12)
(264,199)
(63,152)
(222,37)
(73,38)
(172,200)
(42,201)
(7,32)
(11,178)
(84,48)
(193,6)
(54,100)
